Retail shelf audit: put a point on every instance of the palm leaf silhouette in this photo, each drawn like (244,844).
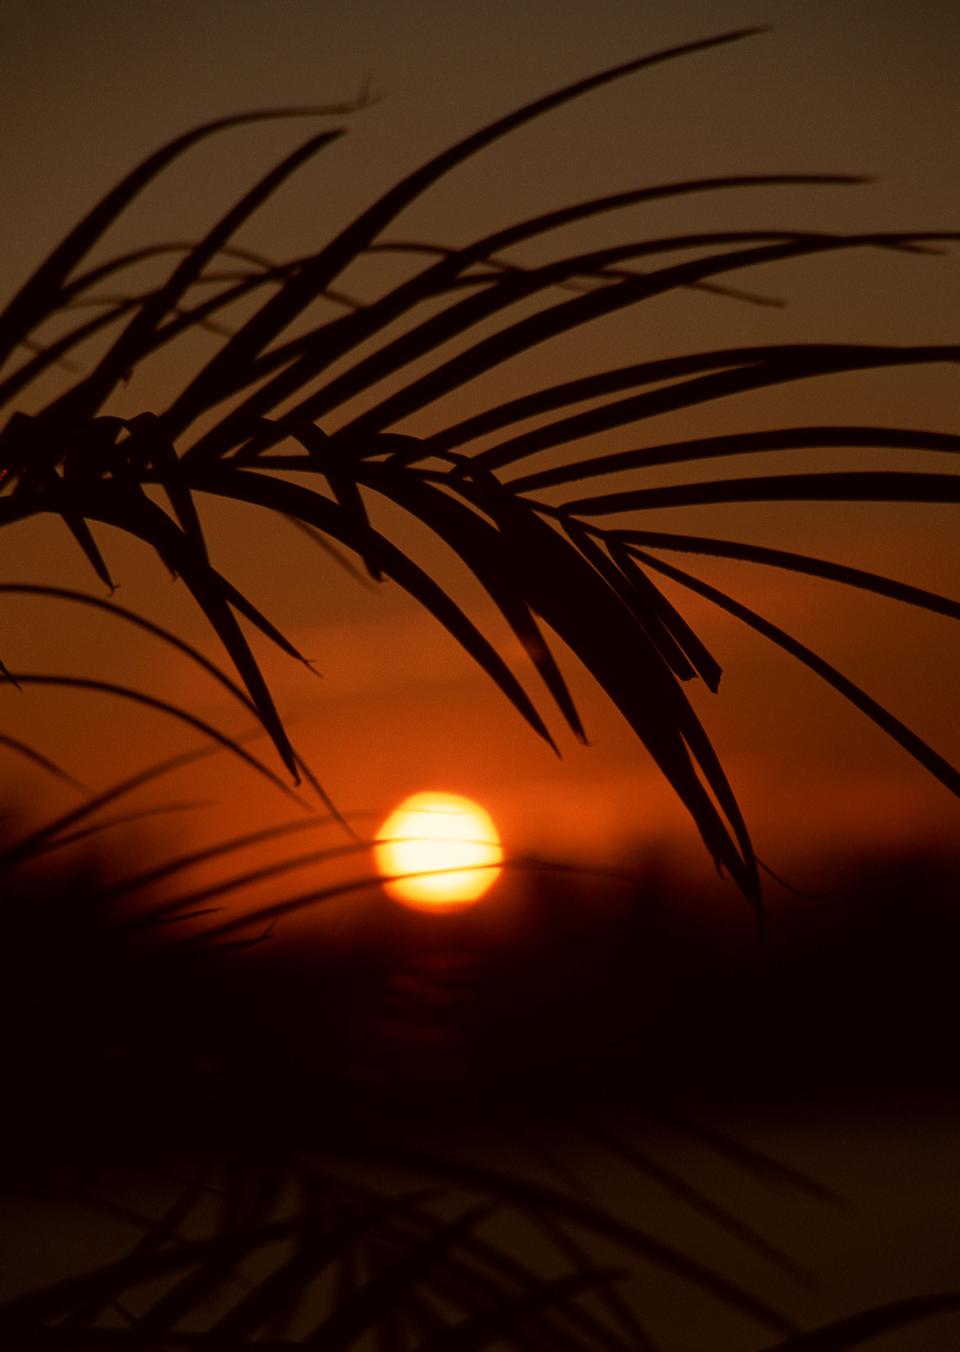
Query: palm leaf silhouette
(263,406)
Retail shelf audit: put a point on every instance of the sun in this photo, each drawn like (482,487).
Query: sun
(448,842)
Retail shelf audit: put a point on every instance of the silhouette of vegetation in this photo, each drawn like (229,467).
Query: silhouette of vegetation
(303,1163)
(265,404)
(298,1251)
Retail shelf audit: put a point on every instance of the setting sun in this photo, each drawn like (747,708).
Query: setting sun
(449,842)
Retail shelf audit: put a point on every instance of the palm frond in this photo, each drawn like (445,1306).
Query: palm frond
(790,561)
(42,293)
(220,377)
(740,443)
(920,750)
(546,567)
(831,486)
(43,679)
(774,363)
(868,1324)
(38,758)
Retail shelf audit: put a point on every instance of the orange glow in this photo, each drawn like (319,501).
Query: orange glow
(449,842)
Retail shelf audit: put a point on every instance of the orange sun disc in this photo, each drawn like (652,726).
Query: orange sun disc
(438,852)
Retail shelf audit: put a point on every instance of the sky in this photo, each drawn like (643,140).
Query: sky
(855,88)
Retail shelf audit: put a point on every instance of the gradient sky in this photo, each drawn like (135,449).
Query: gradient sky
(867,89)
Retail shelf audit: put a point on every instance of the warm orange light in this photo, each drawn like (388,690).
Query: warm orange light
(450,843)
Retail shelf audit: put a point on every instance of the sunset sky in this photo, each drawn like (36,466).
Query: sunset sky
(870,90)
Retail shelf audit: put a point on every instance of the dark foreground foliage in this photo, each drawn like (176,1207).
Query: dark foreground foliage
(311,1143)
